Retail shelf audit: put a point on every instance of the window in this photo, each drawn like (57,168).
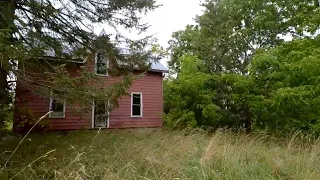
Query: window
(57,108)
(136,105)
(101,65)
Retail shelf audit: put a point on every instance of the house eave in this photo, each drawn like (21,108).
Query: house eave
(160,71)
(84,61)
(76,61)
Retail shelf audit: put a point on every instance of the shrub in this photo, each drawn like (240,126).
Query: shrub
(25,119)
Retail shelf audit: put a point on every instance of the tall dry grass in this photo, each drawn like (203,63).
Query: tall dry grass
(161,154)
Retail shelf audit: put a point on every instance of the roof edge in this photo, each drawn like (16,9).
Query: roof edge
(155,67)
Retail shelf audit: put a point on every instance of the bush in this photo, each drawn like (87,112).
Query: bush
(25,119)
(281,93)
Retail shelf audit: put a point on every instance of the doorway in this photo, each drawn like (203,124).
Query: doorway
(100,114)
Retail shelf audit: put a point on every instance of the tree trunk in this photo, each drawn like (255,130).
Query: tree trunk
(7,9)
(4,97)
(248,121)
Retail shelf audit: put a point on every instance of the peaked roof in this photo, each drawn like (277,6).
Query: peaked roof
(155,66)
(102,33)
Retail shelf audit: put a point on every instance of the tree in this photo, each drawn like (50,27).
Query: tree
(228,35)
(288,79)
(187,101)
(226,38)
(183,43)
(280,94)
(230,31)
(32,30)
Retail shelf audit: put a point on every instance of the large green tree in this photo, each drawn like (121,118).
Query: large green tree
(288,80)
(33,31)
(281,93)
(224,40)
(230,31)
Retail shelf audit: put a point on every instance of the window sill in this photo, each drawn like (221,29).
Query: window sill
(57,117)
(100,127)
(102,75)
(136,116)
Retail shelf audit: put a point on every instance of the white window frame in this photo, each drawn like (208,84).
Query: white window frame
(92,121)
(141,106)
(95,65)
(64,110)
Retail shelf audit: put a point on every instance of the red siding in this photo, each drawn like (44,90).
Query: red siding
(150,86)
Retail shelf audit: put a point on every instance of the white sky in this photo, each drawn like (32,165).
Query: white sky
(172,16)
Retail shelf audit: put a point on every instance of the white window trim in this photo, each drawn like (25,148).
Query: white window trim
(92,120)
(141,107)
(95,66)
(56,117)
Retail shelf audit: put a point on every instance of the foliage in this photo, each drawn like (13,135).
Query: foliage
(161,154)
(209,100)
(288,77)
(7,113)
(182,42)
(249,76)
(280,94)
(230,31)
(187,102)
(25,119)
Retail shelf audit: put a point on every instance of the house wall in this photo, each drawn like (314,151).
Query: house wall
(152,101)
(150,85)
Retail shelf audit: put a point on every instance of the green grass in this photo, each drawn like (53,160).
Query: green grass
(160,154)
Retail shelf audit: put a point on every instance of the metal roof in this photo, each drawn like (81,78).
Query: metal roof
(157,66)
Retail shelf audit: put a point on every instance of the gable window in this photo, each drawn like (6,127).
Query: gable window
(101,65)
(57,108)
(136,104)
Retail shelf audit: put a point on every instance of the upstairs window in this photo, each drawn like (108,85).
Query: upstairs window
(57,108)
(101,65)
(136,104)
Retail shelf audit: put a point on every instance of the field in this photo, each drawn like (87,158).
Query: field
(160,154)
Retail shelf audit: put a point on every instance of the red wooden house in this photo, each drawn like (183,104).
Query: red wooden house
(142,108)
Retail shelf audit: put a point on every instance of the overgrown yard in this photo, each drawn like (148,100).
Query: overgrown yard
(160,154)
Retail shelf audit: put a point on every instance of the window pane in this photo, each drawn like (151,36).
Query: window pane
(136,110)
(101,59)
(136,99)
(100,107)
(101,68)
(101,65)
(56,107)
(100,119)
(57,114)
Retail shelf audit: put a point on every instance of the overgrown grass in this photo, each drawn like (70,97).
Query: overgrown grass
(160,154)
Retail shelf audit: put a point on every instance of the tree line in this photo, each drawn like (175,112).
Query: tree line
(250,65)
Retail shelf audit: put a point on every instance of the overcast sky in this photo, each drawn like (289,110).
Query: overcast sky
(172,16)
